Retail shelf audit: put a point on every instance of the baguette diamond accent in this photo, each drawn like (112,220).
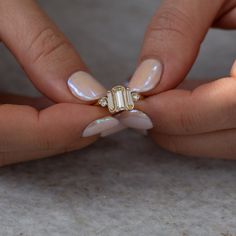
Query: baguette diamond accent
(119,99)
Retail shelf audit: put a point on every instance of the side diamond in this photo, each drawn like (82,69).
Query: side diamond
(135,96)
(103,102)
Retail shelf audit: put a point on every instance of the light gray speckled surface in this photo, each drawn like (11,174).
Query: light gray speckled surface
(124,185)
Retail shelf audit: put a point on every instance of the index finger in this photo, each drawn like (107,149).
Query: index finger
(45,54)
(171,44)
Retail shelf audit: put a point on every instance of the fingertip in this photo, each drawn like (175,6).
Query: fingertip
(147,76)
(100,126)
(47,56)
(84,87)
(116,129)
(136,119)
(172,38)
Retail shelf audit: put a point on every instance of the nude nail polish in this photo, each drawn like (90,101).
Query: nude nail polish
(85,87)
(136,119)
(113,130)
(147,76)
(100,125)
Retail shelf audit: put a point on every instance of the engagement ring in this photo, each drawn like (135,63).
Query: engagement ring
(119,98)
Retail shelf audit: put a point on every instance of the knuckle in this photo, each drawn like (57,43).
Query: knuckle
(50,144)
(54,143)
(187,122)
(47,142)
(47,43)
(169,22)
(54,146)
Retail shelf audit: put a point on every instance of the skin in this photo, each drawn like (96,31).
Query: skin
(200,121)
(35,128)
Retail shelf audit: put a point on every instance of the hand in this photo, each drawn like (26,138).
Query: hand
(173,39)
(199,122)
(193,120)
(28,131)
(191,123)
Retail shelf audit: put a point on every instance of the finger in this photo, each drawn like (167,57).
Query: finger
(46,55)
(28,134)
(220,144)
(138,120)
(172,43)
(38,103)
(227,18)
(192,84)
(207,108)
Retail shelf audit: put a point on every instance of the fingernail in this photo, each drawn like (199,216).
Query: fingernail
(113,130)
(135,119)
(85,87)
(147,76)
(99,126)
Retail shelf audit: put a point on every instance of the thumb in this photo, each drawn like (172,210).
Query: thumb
(171,43)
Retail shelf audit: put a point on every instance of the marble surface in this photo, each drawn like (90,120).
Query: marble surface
(124,184)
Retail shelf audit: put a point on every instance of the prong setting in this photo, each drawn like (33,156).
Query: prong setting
(119,99)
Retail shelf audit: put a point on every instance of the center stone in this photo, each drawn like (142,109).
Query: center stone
(120,99)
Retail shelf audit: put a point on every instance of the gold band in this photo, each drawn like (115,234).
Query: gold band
(118,99)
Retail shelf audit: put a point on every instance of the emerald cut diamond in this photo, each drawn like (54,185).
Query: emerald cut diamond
(119,99)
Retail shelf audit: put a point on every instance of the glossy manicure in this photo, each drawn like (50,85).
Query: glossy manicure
(136,119)
(100,125)
(147,76)
(85,87)
(113,130)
